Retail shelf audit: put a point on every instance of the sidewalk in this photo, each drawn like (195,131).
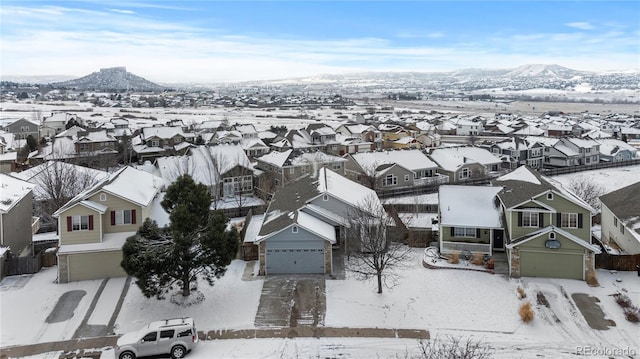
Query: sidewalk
(96,345)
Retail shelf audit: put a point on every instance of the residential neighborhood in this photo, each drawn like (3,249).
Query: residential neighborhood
(461,193)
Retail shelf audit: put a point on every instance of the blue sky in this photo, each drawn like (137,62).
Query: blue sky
(214,41)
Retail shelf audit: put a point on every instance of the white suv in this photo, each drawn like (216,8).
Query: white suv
(171,336)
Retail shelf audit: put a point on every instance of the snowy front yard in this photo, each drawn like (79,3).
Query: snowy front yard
(442,301)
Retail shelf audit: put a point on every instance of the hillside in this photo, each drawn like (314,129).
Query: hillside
(110,79)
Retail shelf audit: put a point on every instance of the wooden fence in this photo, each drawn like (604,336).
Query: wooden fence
(618,262)
(28,265)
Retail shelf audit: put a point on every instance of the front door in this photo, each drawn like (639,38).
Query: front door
(498,240)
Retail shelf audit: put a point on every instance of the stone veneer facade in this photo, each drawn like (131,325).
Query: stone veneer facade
(514,262)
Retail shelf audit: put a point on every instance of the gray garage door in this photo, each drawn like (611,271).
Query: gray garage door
(551,265)
(294,261)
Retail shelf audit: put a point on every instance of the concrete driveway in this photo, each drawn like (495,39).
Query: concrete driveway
(292,300)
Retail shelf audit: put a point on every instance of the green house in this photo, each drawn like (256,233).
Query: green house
(547,228)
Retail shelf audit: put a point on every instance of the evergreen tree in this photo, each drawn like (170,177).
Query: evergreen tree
(196,245)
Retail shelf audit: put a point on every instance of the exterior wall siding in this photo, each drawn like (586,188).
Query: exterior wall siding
(76,237)
(115,203)
(484,237)
(334,206)
(612,232)
(16,225)
(95,265)
(301,240)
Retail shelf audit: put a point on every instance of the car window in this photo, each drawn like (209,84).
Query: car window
(151,337)
(185,333)
(167,334)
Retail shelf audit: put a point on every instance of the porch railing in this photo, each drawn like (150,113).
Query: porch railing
(452,247)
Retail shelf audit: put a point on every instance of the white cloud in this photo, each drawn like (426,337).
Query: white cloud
(77,42)
(580,25)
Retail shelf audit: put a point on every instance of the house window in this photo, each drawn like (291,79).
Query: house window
(84,147)
(622,228)
(80,223)
(276,182)
(292,170)
(552,235)
(103,197)
(465,232)
(550,196)
(569,220)
(24,128)
(464,173)
(123,217)
(337,165)
(294,229)
(155,143)
(303,169)
(177,140)
(615,221)
(406,178)
(390,180)
(530,219)
(325,197)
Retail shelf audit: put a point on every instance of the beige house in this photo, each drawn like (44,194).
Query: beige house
(94,225)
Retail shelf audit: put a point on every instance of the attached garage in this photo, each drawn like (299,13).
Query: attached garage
(551,253)
(96,265)
(280,261)
(551,265)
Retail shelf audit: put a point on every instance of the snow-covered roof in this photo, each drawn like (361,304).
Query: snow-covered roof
(12,191)
(96,136)
(520,174)
(470,206)
(276,158)
(145,189)
(412,160)
(110,242)
(346,190)
(228,157)
(164,132)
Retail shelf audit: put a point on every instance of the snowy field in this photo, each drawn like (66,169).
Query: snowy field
(610,179)
(443,301)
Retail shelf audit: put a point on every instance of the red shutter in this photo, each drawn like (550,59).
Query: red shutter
(69,224)
(91,222)
(113,218)
(133,216)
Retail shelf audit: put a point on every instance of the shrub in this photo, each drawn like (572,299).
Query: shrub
(455,258)
(632,315)
(521,293)
(450,347)
(592,280)
(526,312)
(622,300)
(477,259)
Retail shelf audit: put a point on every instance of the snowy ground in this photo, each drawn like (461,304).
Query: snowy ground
(610,179)
(444,301)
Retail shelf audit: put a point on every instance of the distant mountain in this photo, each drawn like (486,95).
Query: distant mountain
(111,79)
(548,71)
(35,79)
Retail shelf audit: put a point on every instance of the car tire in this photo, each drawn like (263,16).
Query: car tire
(178,352)
(127,355)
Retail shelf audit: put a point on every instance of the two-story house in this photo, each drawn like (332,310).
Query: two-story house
(547,228)
(95,224)
(519,151)
(588,150)
(457,166)
(392,169)
(620,219)
(95,142)
(16,202)
(287,166)
(158,141)
(613,150)
(306,219)
(21,128)
(366,133)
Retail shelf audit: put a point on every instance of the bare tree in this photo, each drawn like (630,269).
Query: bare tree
(59,182)
(371,250)
(450,347)
(586,189)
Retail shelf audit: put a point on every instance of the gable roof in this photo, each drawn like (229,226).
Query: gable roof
(412,160)
(136,186)
(286,203)
(469,206)
(548,229)
(523,184)
(12,191)
(625,204)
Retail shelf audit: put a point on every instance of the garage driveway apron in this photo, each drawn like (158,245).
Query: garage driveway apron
(290,300)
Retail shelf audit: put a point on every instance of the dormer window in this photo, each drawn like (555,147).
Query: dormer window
(550,196)
(294,229)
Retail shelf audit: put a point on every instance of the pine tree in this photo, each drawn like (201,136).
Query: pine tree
(196,245)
